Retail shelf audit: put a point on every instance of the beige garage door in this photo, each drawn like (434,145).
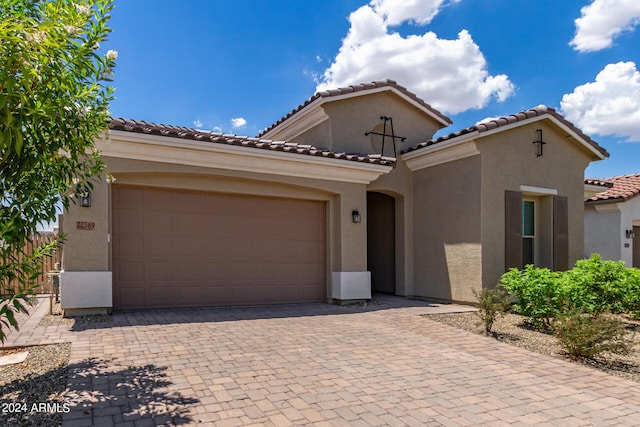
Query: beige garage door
(188,249)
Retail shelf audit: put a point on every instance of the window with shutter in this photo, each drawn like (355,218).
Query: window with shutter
(528,231)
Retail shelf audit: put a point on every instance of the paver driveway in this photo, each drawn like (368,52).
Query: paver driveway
(325,365)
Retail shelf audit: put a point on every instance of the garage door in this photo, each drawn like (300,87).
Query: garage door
(188,249)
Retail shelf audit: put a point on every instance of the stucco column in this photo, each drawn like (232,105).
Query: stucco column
(350,278)
(86,279)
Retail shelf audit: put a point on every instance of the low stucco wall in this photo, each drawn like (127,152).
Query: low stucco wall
(85,291)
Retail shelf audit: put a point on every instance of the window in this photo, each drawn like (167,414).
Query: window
(528,232)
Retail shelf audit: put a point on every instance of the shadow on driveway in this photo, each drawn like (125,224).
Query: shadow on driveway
(228,314)
(137,394)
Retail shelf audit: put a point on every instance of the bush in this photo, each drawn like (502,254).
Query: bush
(597,286)
(492,303)
(538,293)
(586,336)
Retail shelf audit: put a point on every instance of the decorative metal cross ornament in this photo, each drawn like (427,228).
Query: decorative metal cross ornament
(540,142)
(384,134)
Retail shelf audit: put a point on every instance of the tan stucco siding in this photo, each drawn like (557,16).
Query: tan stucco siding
(508,162)
(87,228)
(447,234)
(319,136)
(351,118)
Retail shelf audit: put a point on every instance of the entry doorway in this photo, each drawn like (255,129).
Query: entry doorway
(381,242)
(636,247)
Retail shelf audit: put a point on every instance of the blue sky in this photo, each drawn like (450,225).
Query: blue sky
(238,66)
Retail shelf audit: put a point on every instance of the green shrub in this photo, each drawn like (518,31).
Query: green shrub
(597,286)
(492,303)
(587,336)
(631,296)
(538,293)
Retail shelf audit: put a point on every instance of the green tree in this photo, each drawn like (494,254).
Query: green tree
(54,97)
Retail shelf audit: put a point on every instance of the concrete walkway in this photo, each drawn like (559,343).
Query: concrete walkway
(316,364)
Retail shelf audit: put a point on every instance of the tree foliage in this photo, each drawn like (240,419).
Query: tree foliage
(54,97)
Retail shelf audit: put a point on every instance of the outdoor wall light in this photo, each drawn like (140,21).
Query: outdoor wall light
(356,216)
(85,200)
(630,234)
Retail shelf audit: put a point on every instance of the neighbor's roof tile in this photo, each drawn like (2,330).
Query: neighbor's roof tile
(139,126)
(624,188)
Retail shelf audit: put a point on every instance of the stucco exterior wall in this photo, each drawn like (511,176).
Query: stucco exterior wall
(447,230)
(87,245)
(508,162)
(351,118)
(603,232)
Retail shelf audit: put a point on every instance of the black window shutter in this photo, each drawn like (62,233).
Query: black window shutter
(513,229)
(560,233)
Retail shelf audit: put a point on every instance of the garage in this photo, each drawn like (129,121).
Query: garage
(177,248)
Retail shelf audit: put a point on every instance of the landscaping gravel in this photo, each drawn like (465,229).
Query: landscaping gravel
(512,329)
(32,392)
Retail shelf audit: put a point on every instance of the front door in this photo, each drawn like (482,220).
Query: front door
(636,247)
(381,242)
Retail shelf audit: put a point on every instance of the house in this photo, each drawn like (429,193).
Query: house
(346,195)
(612,218)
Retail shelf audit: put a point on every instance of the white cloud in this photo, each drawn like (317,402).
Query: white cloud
(602,21)
(238,122)
(395,12)
(608,106)
(197,123)
(451,75)
(216,129)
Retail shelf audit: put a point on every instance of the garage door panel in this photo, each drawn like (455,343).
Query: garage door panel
(312,250)
(216,226)
(216,203)
(158,248)
(217,271)
(217,249)
(159,223)
(242,248)
(157,200)
(188,272)
(128,222)
(130,272)
(187,249)
(155,272)
(130,297)
(268,271)
(186,202)
(129,198)
(189,224)
(128,247)
(243,271)
(243,227)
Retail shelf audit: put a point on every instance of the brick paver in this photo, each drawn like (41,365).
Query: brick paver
(321,365)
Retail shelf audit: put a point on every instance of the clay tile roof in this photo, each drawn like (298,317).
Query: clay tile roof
(139,126)
(358,88)
(598,182)
(540,110)
(623,188)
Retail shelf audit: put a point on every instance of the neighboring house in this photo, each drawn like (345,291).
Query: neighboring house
(194,218)
(612,218)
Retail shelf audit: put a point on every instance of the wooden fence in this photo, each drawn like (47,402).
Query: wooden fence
(48,263)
